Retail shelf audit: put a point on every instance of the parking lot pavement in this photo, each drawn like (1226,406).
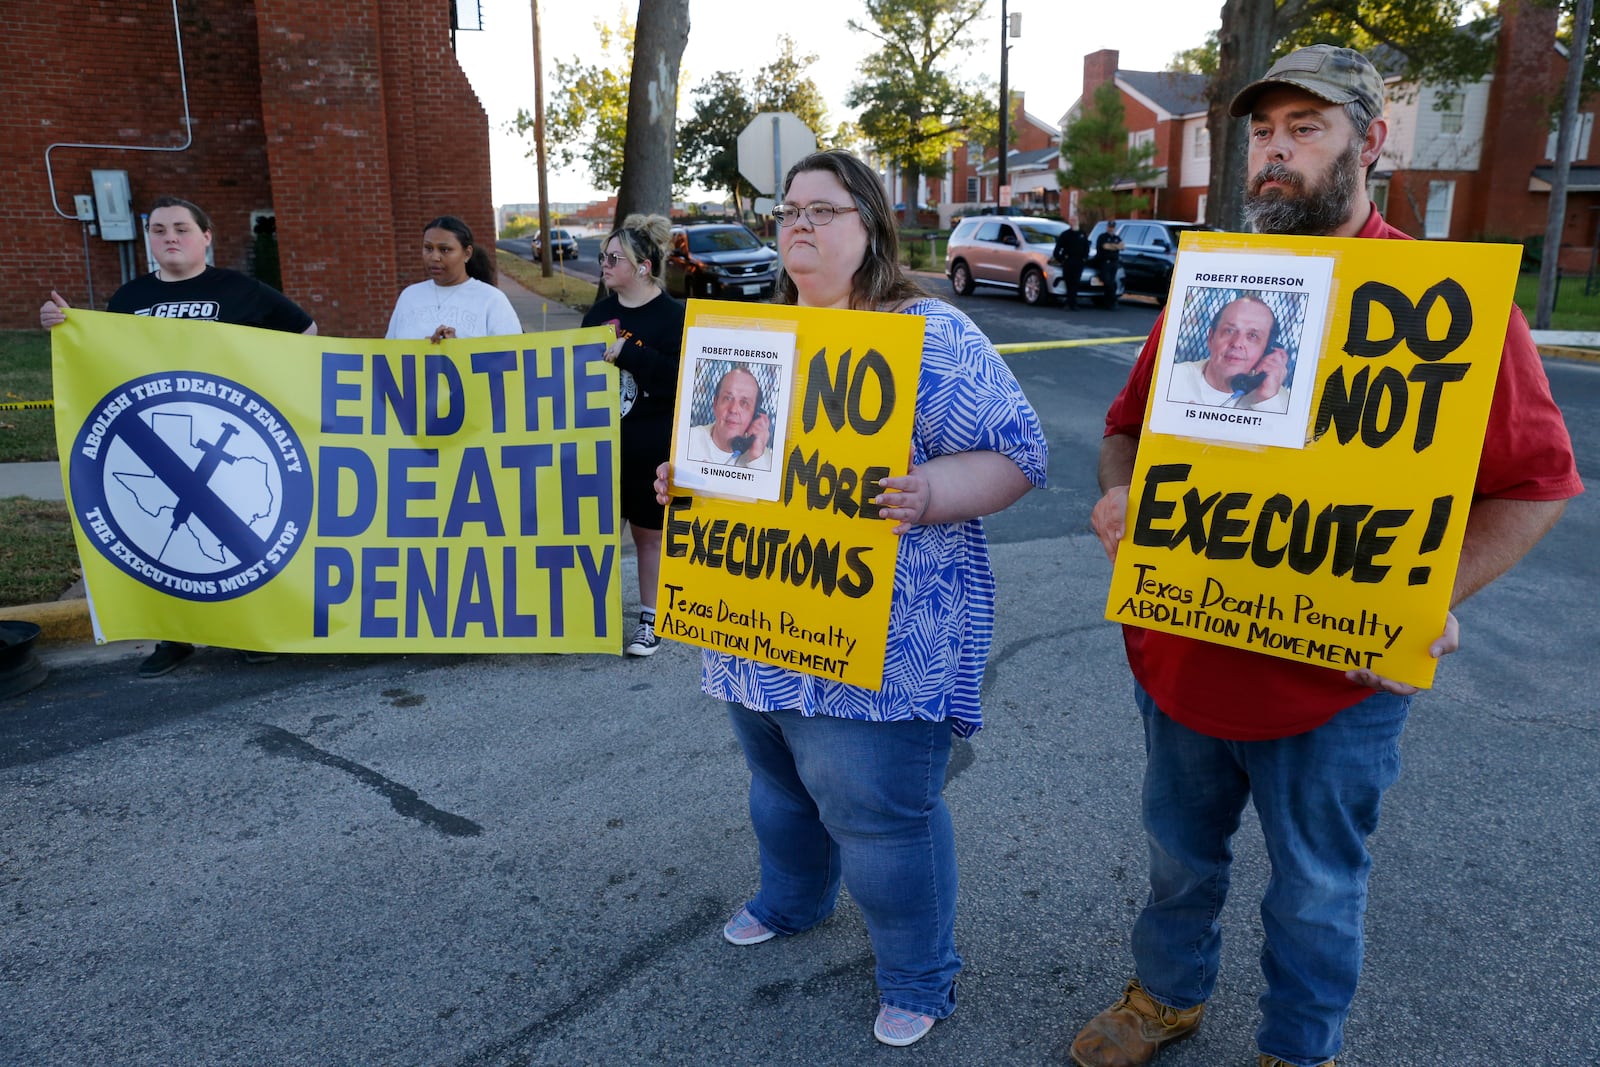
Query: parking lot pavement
(475,860)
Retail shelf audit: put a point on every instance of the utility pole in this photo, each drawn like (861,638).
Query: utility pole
(1005,104)
(1010,26)
(538,148)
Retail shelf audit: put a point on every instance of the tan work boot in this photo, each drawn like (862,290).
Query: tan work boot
(1133,1030)
(1264,1060)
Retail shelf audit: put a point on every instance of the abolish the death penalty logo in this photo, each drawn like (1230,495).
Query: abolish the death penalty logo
(192,484)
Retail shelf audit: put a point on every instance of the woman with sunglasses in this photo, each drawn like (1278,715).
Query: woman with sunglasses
(846,783)
(647,350)
(460,297)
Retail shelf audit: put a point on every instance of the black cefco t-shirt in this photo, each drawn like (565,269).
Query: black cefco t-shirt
(217,295)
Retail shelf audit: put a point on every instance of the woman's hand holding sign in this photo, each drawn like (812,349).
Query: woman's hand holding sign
(965,485)
(907,499)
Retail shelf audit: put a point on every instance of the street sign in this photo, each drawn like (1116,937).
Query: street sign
(772,143)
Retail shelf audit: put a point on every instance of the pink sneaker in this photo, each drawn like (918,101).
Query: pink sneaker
(896,1027)
(746,929)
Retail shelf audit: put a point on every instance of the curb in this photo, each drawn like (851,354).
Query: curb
(63,622)
(1590,355)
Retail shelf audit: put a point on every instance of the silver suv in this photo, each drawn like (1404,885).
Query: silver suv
(1011,251)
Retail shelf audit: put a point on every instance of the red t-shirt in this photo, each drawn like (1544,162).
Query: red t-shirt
(1240,695)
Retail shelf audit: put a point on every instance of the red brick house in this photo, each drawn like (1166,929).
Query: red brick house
(973,171)
(350,123)
(1474,162)
(1164,109)
(1461,163)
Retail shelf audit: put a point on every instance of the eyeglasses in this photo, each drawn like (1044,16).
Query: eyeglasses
(820,214)
(610,259)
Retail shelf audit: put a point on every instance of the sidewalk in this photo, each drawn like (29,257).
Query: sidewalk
(67,620)
(539,315)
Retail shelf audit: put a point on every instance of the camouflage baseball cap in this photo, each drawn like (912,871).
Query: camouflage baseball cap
(1337,75)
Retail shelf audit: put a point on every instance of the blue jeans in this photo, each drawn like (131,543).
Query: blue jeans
(832,797)
(1317,795)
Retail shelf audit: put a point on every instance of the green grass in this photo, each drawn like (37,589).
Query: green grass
(919,253)
(1573,310)
(573,290)
(25,375)
(38,560)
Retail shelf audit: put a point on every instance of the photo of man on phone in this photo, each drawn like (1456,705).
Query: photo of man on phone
(1245,365)
(740,431)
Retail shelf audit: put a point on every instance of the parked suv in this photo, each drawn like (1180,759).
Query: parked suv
(562,244)
(1009,251)
(721,260)
(1150,247)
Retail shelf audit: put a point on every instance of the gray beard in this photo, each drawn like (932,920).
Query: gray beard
(1296,210)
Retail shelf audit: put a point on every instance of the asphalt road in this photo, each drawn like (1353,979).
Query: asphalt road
(526,860)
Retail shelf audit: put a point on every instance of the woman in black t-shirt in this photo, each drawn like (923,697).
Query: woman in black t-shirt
(649,345)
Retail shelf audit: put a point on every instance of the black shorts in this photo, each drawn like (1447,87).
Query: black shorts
(645,446)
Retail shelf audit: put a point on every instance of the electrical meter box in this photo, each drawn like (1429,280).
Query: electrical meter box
(113,201)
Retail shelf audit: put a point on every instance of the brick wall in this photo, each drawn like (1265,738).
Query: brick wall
(352,122)
(109,74)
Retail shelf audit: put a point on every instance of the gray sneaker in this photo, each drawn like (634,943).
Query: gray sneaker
(644,641)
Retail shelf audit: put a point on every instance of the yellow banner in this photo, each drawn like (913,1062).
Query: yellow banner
(803,581)
(1315,509)
(246,488)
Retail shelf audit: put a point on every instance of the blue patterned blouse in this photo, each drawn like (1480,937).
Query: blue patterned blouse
(941,617)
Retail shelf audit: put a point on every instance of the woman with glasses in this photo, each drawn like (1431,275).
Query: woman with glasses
(647,349)
(460,298)
(845,782)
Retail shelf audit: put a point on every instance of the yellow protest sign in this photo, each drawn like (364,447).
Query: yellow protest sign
(285,493)
(1305,494)
(808,408)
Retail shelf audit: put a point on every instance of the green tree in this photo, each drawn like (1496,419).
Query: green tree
(784,85)
(707,142)
(914,110)
(1097,157)
(1425,37)
(724,105)
(1201,59)
(519,226)
(587,114)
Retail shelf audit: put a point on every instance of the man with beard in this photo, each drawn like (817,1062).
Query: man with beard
(1314,749)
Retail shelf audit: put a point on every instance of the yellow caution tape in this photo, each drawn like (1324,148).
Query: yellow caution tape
(1034,346)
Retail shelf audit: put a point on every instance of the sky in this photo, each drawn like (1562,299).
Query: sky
(1046,61)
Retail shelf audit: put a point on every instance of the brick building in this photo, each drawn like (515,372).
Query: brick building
(1462,163)
(1169,111)
(1474,162)
(350,123)
(972,172)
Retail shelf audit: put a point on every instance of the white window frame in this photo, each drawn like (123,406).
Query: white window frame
(1139,138)
(1200,148)
(1452,113)
(1378,193)
(1436,217)
(1580,143)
